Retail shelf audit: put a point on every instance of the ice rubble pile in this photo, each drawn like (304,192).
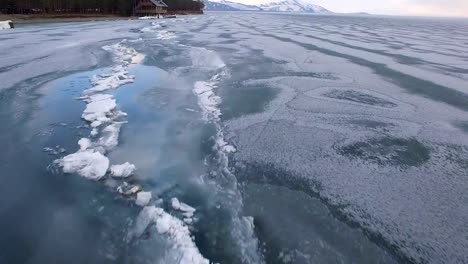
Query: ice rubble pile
(105,120)
(90,160)
(176,231)
(242,227)
(205,90)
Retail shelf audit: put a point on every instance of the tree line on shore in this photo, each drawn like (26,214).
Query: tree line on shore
(121,7)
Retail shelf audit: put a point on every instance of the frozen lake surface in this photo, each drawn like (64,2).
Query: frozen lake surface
(253,138)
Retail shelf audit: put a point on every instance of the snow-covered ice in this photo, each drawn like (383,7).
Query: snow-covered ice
(143,198)
(88,163)
(99,108)
(184,250)
(122,170)
(110,136)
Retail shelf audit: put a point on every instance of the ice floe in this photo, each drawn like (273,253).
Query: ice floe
(143,198)
(186,209)
(122,170)
(99,108)
(110,136)
(106,82)
(85,143)
(90,164)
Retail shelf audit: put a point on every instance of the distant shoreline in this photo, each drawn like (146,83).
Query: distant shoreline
(50,18)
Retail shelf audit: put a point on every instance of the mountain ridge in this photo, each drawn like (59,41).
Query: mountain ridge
(295,6)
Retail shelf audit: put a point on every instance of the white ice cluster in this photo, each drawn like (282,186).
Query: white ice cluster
(184,249)
(102,114)
(90,160)
(187,210)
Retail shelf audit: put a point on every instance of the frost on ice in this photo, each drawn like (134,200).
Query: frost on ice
(122,170)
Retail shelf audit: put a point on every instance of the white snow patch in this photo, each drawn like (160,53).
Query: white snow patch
(5,24)
(187,210)
(184,250)
(110,136)
(137,59)
(98,109)
(85,143)
(106,82)
(89,164)
(221,143)
(122,170)
(207,99)
(143,198)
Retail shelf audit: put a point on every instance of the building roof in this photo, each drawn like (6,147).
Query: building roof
(159,3)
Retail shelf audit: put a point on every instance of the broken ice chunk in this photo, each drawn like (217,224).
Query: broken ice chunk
(128,189)
(122,170)
(143,198)
(85,144)
(185,208)
(89,164)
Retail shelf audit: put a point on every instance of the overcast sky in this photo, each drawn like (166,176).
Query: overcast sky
(391,7)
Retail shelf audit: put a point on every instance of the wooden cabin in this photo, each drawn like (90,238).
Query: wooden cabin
(150,8)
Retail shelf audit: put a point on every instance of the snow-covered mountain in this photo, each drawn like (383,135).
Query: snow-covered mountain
(304,6)
(293,6)
(223,5)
